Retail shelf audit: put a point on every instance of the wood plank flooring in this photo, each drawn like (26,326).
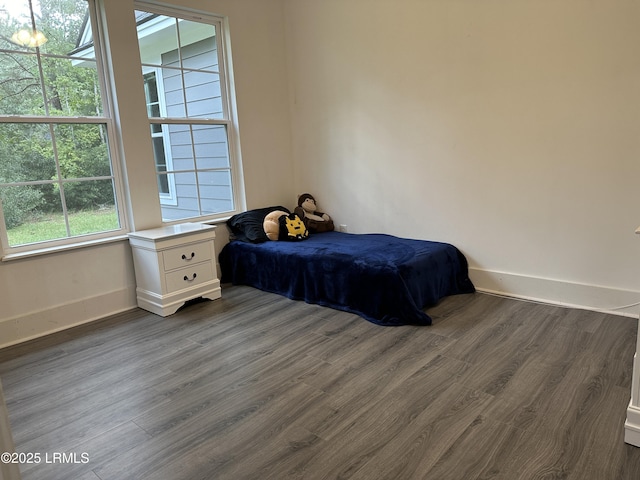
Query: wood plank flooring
(256,386)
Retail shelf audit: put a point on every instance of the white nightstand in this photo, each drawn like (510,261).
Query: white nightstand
(174,264)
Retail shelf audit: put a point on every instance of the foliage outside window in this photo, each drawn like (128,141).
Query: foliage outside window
(57,181)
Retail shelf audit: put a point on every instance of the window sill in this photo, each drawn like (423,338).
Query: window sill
(91,243)
(61,248)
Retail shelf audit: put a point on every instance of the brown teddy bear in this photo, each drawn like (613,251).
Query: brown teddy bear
(314,220)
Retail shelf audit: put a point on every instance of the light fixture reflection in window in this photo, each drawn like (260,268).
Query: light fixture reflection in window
(29,38)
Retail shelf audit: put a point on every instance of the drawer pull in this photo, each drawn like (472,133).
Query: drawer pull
(184,257)
(187,279)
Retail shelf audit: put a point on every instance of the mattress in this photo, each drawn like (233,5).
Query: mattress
(385,279)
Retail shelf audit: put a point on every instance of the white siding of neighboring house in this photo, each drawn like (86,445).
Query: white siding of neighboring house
(203,99)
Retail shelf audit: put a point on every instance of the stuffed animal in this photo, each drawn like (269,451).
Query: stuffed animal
(292,228)
(280,225)
(314,221)
(271,224)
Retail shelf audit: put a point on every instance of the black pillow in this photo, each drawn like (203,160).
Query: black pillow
(248,226)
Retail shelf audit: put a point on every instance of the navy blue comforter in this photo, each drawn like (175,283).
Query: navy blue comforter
(385,279)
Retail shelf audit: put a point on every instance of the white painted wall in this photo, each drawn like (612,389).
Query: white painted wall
(51,292)
(507,127)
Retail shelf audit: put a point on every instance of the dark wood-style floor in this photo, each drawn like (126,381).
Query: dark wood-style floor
(256,386)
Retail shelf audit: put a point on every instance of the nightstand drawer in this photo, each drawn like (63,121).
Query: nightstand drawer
(174,264)
(189,276)
(186,255)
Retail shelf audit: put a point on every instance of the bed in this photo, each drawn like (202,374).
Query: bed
(385,279)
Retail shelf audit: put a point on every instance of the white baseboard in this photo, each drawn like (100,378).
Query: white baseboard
(575,295)
(43,322)
(632,426)
(557,292)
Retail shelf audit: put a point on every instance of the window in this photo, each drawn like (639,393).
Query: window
(60,181)
(190,112)
(57,174)
(159,134)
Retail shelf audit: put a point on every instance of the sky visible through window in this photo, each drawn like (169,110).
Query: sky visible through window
(18,8)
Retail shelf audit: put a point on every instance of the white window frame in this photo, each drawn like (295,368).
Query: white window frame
(228,100)
(170,197)
(8,252)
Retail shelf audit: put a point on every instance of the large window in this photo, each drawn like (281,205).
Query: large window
(60,181)
(188,103)
(57,178)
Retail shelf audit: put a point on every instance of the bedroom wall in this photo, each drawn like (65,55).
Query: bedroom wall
(509,128)
(50,292)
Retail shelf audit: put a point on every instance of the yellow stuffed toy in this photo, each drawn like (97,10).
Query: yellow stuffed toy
(294,228)
(280,225)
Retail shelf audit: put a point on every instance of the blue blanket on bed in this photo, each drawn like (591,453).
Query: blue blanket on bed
(385,279)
